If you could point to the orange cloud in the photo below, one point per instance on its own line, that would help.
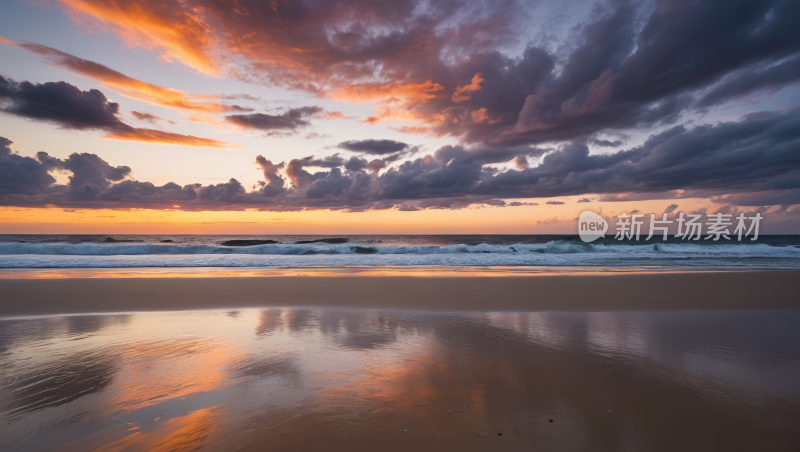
(479, 115)
(413, 130)
(367, 92)
(124, 85)
(306, 48)
(331, 115)
(153, 136)
(388, 113)
(401, 98)
(463, 93)
(179, 31)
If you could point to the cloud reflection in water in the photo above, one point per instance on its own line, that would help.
(399, 379)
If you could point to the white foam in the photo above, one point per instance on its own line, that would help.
(553, 253)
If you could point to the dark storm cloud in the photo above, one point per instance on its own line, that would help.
(21, 175)
(606, 143)
(758, 153)
(620, 77)
(292, 119)
(764, 76)
(68, 107)
(377, 147)
(60, 103)
(375, 165)
(754, 160)
(622, 73)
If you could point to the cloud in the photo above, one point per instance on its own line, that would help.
(374, 166)
(762, 198)
(479, 115)
(412, 130)
(179, 31)
(127, 86)
(305, 45)
(376, 147)
(315, 136)
(333, 115)
(750, 162)
(153, 136)
(151, 118)
(21, 175)
(670, 208)
(584, 200)
(588, 94)
(59, 103)
(91, 175)
(606, 143)
(70, 108)
(626, 64)
(292, 119)
(765, 76)
(356, 52)
(520, 162)
(366, 92)
(555, 203)
(463, 93)
(275, 183)
(755, 154)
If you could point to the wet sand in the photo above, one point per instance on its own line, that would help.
(411, 359)
(437, 290)
(366, 379)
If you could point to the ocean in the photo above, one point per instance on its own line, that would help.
(286, 251)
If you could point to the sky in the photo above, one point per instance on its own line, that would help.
(395, 117)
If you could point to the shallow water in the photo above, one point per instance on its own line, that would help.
(364, 379)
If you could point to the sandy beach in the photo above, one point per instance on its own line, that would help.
(398, 359)
(367, 379)
(439, 290)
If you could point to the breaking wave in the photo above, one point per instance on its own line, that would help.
(551, 253)
(552, 247)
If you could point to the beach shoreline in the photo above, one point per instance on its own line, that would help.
(433, 290)
(427, 271)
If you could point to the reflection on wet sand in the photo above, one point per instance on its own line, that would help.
(363, 379)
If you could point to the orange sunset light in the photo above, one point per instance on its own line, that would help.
(541, 219)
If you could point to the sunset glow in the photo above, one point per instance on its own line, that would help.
(412, 120)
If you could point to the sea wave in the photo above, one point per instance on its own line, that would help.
(552, 253)
(552, 247)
